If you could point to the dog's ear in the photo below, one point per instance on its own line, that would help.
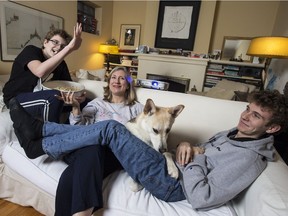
(149, 107)
(175, 111)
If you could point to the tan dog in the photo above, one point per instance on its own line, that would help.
(153, 126)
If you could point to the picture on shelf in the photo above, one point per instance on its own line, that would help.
(235, 49)
(129, 36)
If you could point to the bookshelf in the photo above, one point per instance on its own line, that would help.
(243, 72)
(128, 60)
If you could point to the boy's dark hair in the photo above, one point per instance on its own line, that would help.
(62, 33)
(274, 102)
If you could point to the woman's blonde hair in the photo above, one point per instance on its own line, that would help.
(130, 93)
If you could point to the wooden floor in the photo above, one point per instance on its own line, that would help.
(10, 209)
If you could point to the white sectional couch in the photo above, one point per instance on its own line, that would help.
(34, 182)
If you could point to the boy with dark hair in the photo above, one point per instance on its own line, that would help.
(35, 65)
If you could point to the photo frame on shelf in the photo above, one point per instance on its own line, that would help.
(22, 26)
(129, 36)
(177, 24)
(235, 49)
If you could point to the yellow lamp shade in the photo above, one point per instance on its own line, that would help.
(108, 48)
(269, 47)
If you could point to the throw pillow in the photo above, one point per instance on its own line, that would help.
(220, 93)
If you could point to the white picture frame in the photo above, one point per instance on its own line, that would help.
(129, 36)
(22, 26)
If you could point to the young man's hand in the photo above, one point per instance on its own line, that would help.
(76, 41)
(185, 153)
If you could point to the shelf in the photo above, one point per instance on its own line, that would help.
(120, 65)
(128, 60)
(249, 64)
(234, 77)
(244, 72)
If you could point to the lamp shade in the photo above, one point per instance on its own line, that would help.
(108, 48)
(269, 47)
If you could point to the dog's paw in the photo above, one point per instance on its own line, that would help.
(198, 150)
(173, 171)
(171, 166)
(135, 186)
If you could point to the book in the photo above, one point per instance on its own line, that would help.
(215, 72)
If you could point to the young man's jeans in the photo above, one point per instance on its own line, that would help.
(143, 163)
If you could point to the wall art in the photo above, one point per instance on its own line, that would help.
(22, 26)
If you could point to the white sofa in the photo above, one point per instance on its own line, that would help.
(34, 182)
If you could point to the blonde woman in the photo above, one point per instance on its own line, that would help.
(79, 190)
(119, 101)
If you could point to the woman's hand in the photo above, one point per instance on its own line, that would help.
(68, 98)
(185, 153)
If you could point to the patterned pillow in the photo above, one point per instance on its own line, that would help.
(97, 74)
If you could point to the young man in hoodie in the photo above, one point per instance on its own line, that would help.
(232, 160)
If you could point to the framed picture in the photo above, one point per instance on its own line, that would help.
(129, 36)
(177, 24)
(235, 49)
(22, 26)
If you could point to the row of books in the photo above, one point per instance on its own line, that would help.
(218, 69)
(234, 71)
(211, 81)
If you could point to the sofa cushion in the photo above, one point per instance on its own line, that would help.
(44, 172)
(97, 74)
(224, 89)
(7, 132)
(3, 80)
(227, 84)
(2, 105)
(1, 86)
(269, 191)
(236, 86)
(220, 93)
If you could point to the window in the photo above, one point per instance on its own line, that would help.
(86, 14)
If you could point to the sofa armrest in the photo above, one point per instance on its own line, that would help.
(268, 195)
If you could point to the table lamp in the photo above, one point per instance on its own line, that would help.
(108, 49)
(268, 48)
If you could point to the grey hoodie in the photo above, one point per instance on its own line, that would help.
(227, 168)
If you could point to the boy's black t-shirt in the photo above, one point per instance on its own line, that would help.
(23, 80)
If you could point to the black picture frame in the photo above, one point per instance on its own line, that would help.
(181, 33)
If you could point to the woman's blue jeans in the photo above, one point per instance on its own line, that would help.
(142, 163)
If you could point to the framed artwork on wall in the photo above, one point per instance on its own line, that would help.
(129, 36)
(177, 24)
(22, 26)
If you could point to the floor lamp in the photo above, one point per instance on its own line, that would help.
(268, 48)
(108, 49)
